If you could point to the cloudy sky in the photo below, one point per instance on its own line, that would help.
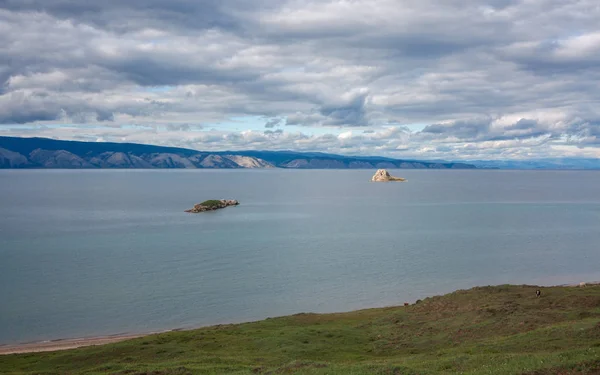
(433, 79)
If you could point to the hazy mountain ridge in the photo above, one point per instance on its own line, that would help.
(550, 163)
(49, 153)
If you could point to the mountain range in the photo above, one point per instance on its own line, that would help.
(549, 163)
(16, 152)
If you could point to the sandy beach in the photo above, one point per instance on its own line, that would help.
(50, 346)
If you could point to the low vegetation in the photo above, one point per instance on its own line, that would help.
(485, 330)
(212, 203)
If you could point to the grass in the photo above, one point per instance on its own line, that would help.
(485, 330)
(211, 203)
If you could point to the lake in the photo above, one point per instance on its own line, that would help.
(102, 252)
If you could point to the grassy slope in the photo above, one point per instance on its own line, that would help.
(488, 330)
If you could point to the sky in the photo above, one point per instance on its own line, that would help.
(428, 79)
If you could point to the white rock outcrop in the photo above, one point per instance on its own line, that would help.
(383, 176)
(248, 161)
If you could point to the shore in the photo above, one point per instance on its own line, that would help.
(55, 345)
(504, 329)
(66, 344)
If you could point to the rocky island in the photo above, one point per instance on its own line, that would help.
(212, 205)
(383, 176)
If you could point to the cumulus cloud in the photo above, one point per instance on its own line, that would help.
(472, 79)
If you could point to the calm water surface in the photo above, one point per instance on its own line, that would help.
(86, 253)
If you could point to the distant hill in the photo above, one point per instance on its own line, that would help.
(551, 163)
(18, 152)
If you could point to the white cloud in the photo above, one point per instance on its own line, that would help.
(489, 79)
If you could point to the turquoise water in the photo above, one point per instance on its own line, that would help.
(88, 253)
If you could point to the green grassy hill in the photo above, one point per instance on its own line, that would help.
(486, 330)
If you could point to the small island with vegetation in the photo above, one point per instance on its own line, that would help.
(212, 204)
(384, 176)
